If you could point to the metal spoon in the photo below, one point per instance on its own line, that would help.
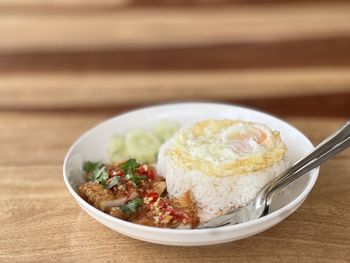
(260, 206)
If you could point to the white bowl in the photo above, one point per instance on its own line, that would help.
(92, 146)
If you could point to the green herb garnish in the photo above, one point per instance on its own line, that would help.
(99, 176)
(91, 166)
(113, 182)
(98, 172)
(132, 206)
(129, 168)
(136, 179)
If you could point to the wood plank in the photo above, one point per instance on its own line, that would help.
(221, 2)
(325, 105)
(112, 5)
(41, 222)
(325, 52)
(41, 139)
(101, 89)
(61, 5)
(171, 27)
(32, 139)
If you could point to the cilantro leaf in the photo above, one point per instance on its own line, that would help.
(91, 166)
(97, 171)
(129, 168)
(132, 206)
(99, 175)
(129, 165)
(136, 179)
(113, 182)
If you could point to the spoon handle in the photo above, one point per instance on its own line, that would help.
(336, 143)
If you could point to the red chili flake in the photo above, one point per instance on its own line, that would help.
(162, 203)
(111, 173)
(120, 173)
(148, 171)
(151, 173)
(152, 195)
(142, 169)
(175, 213)
(171, 211)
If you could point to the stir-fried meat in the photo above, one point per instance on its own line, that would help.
(117, 212)
(98, 196)
(133, 192)
(159, 187)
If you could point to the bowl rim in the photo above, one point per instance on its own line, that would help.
(313, 178)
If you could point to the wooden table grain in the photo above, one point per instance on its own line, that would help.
(40, 221)
(67, 65)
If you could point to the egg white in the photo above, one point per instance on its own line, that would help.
(225, 147)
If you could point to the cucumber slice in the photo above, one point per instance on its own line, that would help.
(165, 129)
(116, 149)
(142, 145)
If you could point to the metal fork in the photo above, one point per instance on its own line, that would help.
(261, 204)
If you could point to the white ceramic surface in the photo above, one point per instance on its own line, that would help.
(92, 146)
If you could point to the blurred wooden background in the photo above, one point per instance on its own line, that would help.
(286, 57)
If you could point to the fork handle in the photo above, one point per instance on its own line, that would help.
(331, 146)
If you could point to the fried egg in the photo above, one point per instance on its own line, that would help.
(226, 147)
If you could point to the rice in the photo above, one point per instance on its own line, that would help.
(214, 195)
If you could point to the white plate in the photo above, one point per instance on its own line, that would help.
(92, 146)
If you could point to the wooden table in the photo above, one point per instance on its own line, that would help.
(40, 221)
(67, 65)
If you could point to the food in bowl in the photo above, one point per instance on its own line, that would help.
(133, 192)
(204, 170)
(223, 162)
